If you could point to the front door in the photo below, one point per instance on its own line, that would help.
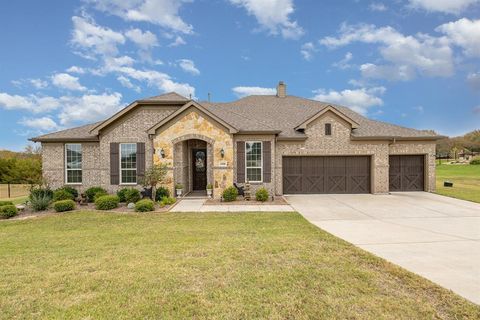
(199, 164)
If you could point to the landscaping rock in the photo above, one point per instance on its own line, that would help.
(20, 207)
(131, 205)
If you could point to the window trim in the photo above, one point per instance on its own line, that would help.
(120, 165)
(66, 164)
(329, 131)
(261, 162)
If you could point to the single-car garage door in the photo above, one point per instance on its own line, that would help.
(406, 173)
(306, 175)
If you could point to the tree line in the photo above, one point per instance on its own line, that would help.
(21, 167)
(451, 147)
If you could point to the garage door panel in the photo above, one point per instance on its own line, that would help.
(407, 173)
(328, 174)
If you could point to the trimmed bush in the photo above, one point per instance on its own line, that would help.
(132, 195)
(70, 190)
(261, 194)
(8, 211)
(91, 192)
(99, 194)
(5, 203)
(121, 194)
(144, 205)
(475, 162)
(230, 194)
(62, 194)
(64, 205)
(166, 201)
(41, 193)
(161, 193)
(40, 201)
(107, 202)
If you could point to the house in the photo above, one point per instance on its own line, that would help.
(285, 143)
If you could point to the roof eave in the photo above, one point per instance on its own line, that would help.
(398, 138)
(291, 138)
(259, 132)
(89, 139)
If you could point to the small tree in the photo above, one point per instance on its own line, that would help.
(153, 176)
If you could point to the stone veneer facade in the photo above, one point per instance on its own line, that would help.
(194, 128)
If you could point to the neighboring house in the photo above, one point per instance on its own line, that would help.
(285, 143)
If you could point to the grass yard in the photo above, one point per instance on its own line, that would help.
(465, 178)
(89, 265)
(17, 200)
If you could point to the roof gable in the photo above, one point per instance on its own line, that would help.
(189, 105)
(328, 108)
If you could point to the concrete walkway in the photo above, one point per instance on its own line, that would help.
(432, 235)
(198, 205)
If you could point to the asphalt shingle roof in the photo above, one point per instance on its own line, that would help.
(268, 113)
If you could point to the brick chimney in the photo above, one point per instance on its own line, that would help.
(281, 89)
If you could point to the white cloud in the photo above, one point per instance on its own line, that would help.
(75, 69)
(464, 33)
(431, 56)
(359, 100)
(307, 50)
(273, 16)
(66, 81)
(177, 42)
(445, 6)
(89, 108)
(344, 63)
(248, 91)
(33, 103)
(188, 66)
(41, 124)
(164, 13)
(390, 72)
(377, 6)
(39, 83)
(124, 81)
(473, 79)
(92, 39)
(145, 40)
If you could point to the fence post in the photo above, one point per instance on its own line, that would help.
(8, 188)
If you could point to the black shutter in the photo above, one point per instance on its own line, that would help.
(240, 161)
(267, 161)
(140, 160)
(114, 164)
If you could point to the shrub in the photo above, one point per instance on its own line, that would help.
(475, 162)
(144, 205)
(132, 195)
(230, 194)
(179, 186)
(166, 201)
(8, 211)
(64, 205)
(107, 202)
(41, 193)
(121, 194)
(70, 190)
(99, 194)
(91, 192)
(62, 194)
(39, 201)
(261, 194)
(161, 193)
(209, 186)
(5, 203)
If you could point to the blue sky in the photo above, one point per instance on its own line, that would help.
(411, 62)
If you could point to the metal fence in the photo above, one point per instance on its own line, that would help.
(8, 190)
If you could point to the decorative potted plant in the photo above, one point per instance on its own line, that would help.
(179, 189)
(209, 190)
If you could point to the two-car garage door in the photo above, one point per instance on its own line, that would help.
(332, 174)
(348, 174)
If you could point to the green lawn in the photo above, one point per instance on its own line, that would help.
(89, 265)
(17, 200)
(465, 178)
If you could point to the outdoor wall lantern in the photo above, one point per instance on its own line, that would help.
(162, 153)
(222, 153)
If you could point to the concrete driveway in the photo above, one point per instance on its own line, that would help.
(434, 236)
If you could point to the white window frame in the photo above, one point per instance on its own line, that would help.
(131, 169)
(66, 164)
(261, 162)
